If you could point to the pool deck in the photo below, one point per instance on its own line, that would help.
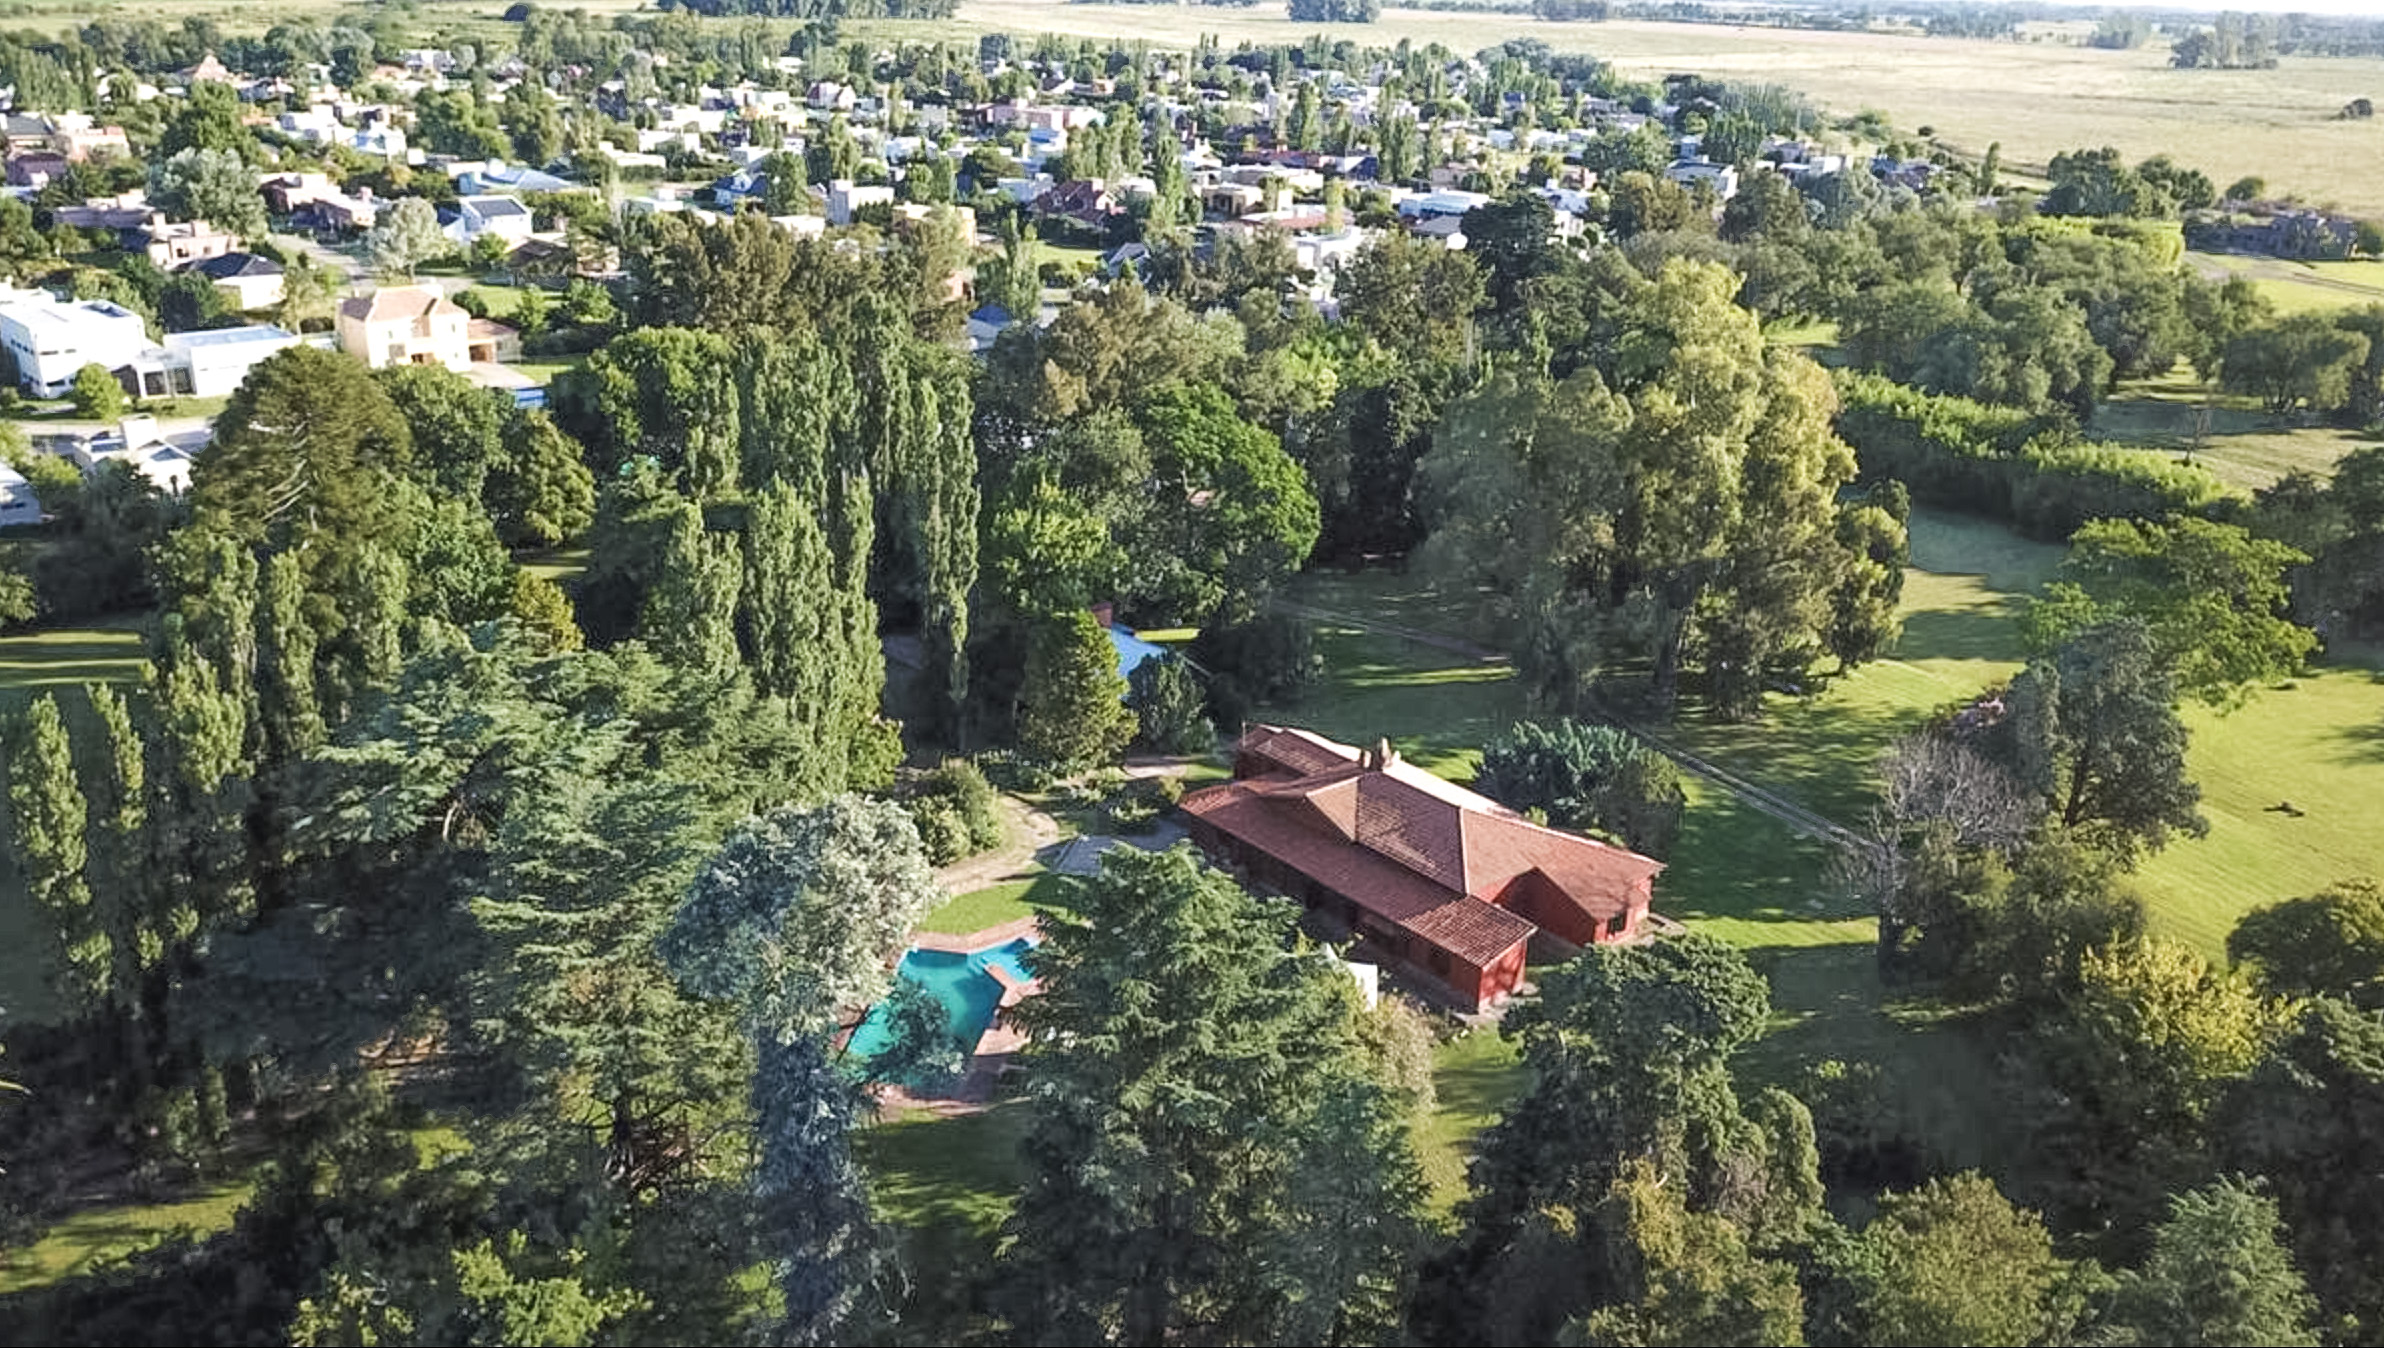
(998, 1046)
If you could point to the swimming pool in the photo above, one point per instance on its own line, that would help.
(968, 993)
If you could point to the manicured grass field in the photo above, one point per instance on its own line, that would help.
(1962, 600)
(109, 652)
(2300, 287)
(2318, 745)
(1476, 1076)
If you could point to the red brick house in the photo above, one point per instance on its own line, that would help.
(1449, 885)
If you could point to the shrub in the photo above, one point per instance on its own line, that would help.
(1269, 660)
(1170, 708)
(1591, 777)
(2009, 465)
(97, 396)
(956, 812)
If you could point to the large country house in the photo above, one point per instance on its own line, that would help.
(1449, 886)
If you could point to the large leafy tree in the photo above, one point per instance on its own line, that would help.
(2211, 597)
(216, 186)
(2328, 944)
(2307, 1119)
(2093, 731)
(1628, 1050)
(1231, 514)
(1674, 502)
(794, 920)
(2303, 361)
(457, 428)
(1951, 1262)
(2218, 1273)
(2140, 1049)
(1209, 1150)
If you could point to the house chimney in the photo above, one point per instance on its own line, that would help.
(137, 430)
(1384, 754)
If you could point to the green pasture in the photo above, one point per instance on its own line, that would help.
(2316, 744)
(2231, 436)
(1963, 596)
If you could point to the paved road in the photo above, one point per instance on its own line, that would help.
(1756, 797)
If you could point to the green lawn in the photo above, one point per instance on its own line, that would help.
(2232, 437)
(1962, 600)
(1476, 1075)
(89, 1238)
(1435, 706)
(109, 652)
(944, 1185)
(2318, 744)
(560, 565)
(1005, 902)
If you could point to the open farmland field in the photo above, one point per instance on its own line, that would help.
(2299, 287)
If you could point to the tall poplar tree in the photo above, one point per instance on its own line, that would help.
(49, 815)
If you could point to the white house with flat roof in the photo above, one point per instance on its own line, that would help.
(137, 444)
(220, 358)
(52, 339)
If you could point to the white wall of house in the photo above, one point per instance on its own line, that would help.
(17, 502)
(51, 340)
(221, 359)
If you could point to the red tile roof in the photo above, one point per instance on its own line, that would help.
(1413, 848)
(1476, 932)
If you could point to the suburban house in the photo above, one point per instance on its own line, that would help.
(1689, 173)
(488, 342)
(179, 243)
(136, 444)
(18, 504)
(473, 217)
(216, 361)
(78, 136)
(52, 339)
(246, 280)
(847, 199)
(35, 168)
(405, 325)
(1447, 886)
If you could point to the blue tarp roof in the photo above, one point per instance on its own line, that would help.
(1132, 650)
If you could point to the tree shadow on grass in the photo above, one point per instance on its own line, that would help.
(1733, 861)
(1937, 1066)
(2365, 743)
(1981, 631)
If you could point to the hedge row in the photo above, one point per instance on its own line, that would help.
(2009, 465)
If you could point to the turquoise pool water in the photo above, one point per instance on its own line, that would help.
(968, 993)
